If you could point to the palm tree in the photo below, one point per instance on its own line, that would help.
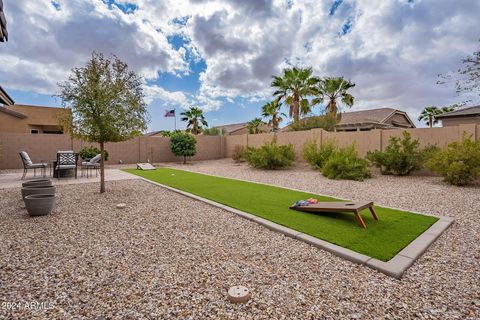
(293, 88)
(332, 89)
(271, 110)
(195, 119)
(428, 115)
(254, 126)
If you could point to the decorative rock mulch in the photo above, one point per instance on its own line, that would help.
(169, 256)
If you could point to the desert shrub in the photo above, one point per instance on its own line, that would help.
(238, 154)
(316, 155)
(401, 156)
(270, 156)
(346, 164)
(459, 163)
(88, 153)
(183, 145)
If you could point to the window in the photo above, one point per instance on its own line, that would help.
(34, 131)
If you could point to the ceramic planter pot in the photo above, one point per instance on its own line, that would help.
(26, 191)
(39, 204)
(37, 182)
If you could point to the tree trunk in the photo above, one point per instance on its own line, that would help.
(184, 159)
(430, 120)
(295, 111)
(102, 168)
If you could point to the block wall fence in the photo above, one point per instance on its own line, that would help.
(43, 147)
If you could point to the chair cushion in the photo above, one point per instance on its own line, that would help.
(96, 158)
(37, 165)
(26, 158)
(66, 166)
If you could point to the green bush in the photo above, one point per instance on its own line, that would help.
(183, 145)
(238, 154)
(211, 132)
(316, 155)
(401, 156)
(345, 164)
(88, 153)
(326, 122)
(270, 156)
(459, 163)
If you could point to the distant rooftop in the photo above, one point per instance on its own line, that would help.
(229, 128)
(464, 112)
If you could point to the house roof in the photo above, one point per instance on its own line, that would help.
(5, 98)
(464, 112)
(229, 128)
(371, 116)
(152, 133)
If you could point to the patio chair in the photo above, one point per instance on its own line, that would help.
(66, 160)
(28, 164)
(93, 163)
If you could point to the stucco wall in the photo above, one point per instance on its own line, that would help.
(37, 117)
(460, 120)
(43, 147)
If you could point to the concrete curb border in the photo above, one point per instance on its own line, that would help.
(395, 267)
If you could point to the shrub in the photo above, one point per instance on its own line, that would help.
(459, 163)
(238, 154)
(401, 156)
(183, 145)
(211, 132)
(345, 164)
(90, 152)
(316, 155)
(326, 122)
(270, 156)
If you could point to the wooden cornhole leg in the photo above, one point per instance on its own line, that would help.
(360, 220)
(374, 214)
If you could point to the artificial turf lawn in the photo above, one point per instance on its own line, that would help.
(381, 240)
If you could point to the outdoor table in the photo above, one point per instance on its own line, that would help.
(355, 207)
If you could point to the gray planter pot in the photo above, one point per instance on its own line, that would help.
(39, 204)
(37, 182)
(26, 191)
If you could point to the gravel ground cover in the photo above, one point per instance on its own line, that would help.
(168, 256)
(381, 240)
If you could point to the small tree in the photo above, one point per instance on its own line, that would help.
(183, 145)
(106, 103)
(253, 126)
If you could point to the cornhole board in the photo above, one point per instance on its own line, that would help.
(355, 207)
(145, 166)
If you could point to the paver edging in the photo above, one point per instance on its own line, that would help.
(395, 267)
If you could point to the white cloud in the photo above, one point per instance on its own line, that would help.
(393, 51)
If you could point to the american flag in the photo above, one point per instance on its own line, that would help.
(170, 113)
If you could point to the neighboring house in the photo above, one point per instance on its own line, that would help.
(381, 118)
(17, 118)
(461, 116)
(240, 128)
(154, 134)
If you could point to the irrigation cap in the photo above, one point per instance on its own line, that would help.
(238, 294)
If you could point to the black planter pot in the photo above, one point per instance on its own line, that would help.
(37, 182)
(39, 204)
(26, 191)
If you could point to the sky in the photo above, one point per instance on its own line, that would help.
(220, 55)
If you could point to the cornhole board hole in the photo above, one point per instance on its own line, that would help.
(145, 166)
(355, 207)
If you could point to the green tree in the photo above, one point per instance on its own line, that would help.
(253, 126)
(332, 89)
(271, 110)
(195, 120)
(106, 103)
(183, 144)
(293, 88)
